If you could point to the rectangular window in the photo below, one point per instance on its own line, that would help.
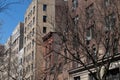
(25, 19)
(90, 32)
(32, 66)
(76, 19)
(21, 61)
(33, 20)
(65, 51)
(44, 18)
(60, 68)
(24, 49)
(77, 78)
(25, 40)
(44, 29)
(110, 21)
(25, 30)
(30, 24)
(49, 63)
(44, 7)
(33, 42)
(74, 4)
(107, 3)
(32, 55)
(33, 9)
(90, 11)
(33, 32)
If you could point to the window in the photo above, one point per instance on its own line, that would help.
(24, 49)
(90, 32)
(28, 68)
(44, 29)
(21, 61)
(33, 9)
(112, 75)
(30, 13)
(75, 41)
(33, 32)
(28, 16)
(94, 53)
(90, 11)
(65, 51)
(75, 20)
(60, 68)
(30, 24)
(32, 66)
(25, 30)
(20, 72)
(33, 20)
(25, 19)
(44, 18)
(115, 47)
(77, 78)
(107, 3)
(25, 40)
(110, 21)
(87, 42)
(32, 55)
(74, 4)
(33, 42)
(44, 7)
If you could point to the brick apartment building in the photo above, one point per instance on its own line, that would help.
(48, 26)
(84, 16)
(54, 62)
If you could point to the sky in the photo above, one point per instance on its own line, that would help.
(11, 17)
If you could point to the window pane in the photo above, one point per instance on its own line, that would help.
(44, 7)
(44, 29)
(44, 18)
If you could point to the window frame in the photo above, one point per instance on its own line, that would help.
(44, 18)
(44, 7)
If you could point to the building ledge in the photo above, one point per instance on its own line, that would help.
(90, 66)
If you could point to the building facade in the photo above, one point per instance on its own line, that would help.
(16, 46)
(88, 20)
(11, 54)
(39, 20)
(56, 66)
(1, 61)
(36, 25)
(37, 49)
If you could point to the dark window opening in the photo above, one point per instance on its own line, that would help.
(75, 4)
(44, 29)
(90, 32)
(90, 11)
(77, 78)
(44, 18)
(44, 7)
(107, 3)
(110, 21)
(33, 9)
